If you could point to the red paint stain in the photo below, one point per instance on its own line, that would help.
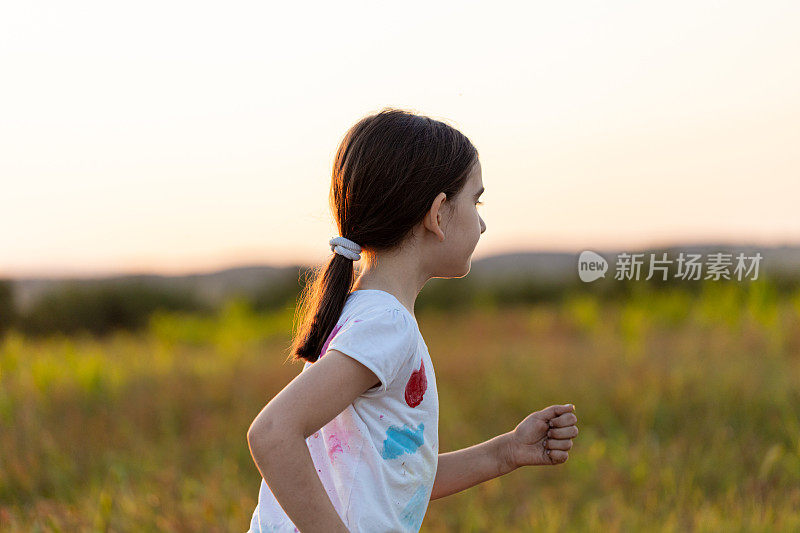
(416, 386)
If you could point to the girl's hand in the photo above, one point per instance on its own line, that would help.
(543, 437)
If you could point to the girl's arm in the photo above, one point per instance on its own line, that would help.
(542, 438)
(468, 467)
(277, 437)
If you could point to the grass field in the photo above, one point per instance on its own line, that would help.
(688, 409)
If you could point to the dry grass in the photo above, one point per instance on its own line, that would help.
(689, 412)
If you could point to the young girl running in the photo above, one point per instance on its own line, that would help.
(351, 443)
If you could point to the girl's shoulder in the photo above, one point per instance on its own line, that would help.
(363, 303)
(376, 330)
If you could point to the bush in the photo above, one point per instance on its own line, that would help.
(7, 313)
(103, 308)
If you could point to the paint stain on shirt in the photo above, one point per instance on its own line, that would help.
(416, 386)
(402, 440)
(414, 511)
(335, 445)
(334, 331)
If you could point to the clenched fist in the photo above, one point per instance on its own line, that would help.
(543, 437)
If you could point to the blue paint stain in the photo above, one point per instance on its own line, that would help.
(402, 440)
(414, 511)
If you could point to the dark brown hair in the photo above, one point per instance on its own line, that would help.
(387, 171)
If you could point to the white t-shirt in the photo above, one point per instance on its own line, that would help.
(376, 459)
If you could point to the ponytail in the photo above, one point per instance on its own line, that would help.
(320, 305)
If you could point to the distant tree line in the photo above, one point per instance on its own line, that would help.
(97, 309)
(454, 293)
(104, 307)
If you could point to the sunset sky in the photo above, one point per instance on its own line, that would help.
(176, 137)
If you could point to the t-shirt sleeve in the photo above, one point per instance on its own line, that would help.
(383, 341)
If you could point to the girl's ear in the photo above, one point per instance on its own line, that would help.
(433, 219)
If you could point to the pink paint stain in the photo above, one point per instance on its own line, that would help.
(334, 331)
(416, 386)
(335, 446)
(329, 339)
(380, 416)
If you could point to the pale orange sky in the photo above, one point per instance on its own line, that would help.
(178, 137)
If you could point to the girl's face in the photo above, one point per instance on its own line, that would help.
(462, 228)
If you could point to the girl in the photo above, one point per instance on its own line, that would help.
(352, 444)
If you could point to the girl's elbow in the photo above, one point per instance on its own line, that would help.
(259, 431)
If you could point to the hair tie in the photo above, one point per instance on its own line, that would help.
(345, 247)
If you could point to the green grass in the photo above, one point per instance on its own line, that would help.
(688, 407)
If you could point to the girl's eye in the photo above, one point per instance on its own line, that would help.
(478, 203)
